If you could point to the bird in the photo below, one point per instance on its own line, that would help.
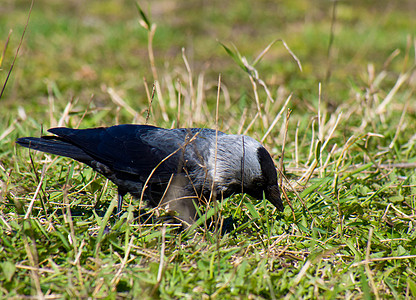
(178, 168)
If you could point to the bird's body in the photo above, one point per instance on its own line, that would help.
(178, 167)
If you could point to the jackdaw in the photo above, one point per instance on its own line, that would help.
(178, 168)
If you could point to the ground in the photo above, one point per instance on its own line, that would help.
(327, 86)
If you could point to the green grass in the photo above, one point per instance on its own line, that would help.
(349, 155)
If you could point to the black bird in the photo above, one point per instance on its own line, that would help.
(177, 167)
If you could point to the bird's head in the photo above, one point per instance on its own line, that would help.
(244, 165)
(264, 181)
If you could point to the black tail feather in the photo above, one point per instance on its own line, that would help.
(54, 146)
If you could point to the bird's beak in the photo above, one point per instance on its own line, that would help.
(273, 195)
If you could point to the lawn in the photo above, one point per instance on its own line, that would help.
(327, 86)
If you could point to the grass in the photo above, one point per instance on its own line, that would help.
(347, 148)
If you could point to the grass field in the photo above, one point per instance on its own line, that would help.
(328, 87)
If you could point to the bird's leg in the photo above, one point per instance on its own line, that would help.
(121, 194)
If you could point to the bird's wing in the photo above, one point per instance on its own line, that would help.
(195, 144)
(124, 148)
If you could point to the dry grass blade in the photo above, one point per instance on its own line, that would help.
(32, 255)
(40, 270)
(150, 99)
(8, 130)
(151, 30)
(382, 107)
(399, 126)
(367, 268)
(258, 58)
(212, 196)
(17, 50)
(190, 103)
(117, 277)
(282, 155)
(120, 102)
(5, 47)
(251, 124)
(29, 210)
(277, 118)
